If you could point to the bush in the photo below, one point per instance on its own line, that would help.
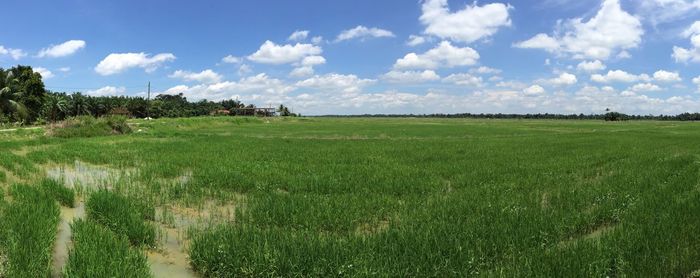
(65, 196)
(88, 126)
(98, 252)
(27, 232)
(122, 216)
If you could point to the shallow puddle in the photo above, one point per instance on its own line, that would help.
(63, 238)
(171, 261)
(85, 175)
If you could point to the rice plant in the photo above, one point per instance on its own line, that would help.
(122, 216)
(99, 252)
(65, 196)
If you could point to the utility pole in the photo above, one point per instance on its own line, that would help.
(148, 101)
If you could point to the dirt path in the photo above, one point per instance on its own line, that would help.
(16, 129)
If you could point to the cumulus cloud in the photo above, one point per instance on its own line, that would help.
(61, 50)
(205, 76)
(45, 73)
(64, 69)
(298, 35)
(611, 30)
(591, 66)
(691, 54)
(445, 55)
(16, 54)
(667, 76)
(619, 76)
(485, 70)
(271, 53)
(564, 79)
(696, 81)
(534, 90)
(230, 59)
(466, 25)
(306, 67)
(464, 79)
(118, 62)
(414, 40)
(301, 72)
(395, 76)
(335, 82)
(258, 87)
(664, 11)
(645, 87)
(106, 91)
(362, 32)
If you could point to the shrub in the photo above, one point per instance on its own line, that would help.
(65, 196)
(27, 232)
(98, 252)
(122, 216)
(88, 126)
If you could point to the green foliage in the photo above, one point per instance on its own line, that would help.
(88, 126)
(65, 196)
(123, 216)
(27, 232)
(98, 252)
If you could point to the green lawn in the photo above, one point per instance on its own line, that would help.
(403, 197)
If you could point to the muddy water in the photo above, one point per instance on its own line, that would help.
(171, 261)
(63, 238)
(83, 174)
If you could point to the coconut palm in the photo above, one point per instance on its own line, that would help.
(54, 106)
(9, 105)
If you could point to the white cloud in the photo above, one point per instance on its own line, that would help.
(691, 54)
(313, 61)
(410, 76)
(444, 55)
(64, 69)
(414, 40)
(65, 49)
(205, 76)
(645, 87)
(610, 30)
(464, 79)
(16, 54)
(485, 70)
(179, 89)
(244, 69)
(619, 76)
(45, 73)
(271, 53)
(259, 87)
(301, 72)
(663, 11)
(336, 82)
(564, 79)
(534, 90)
(591, 66)
(667, 76)
(317, 40)
(696, 81)
(230, 59)
(298, 35)
(363, 32)
(467, 25)
(118, 62)
(107, 91)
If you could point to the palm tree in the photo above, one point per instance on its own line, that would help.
(55, 105)
(8, 97)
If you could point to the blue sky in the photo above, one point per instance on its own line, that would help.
(362, 56)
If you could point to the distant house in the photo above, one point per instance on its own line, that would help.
(220, 112)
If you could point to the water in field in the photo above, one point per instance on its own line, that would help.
(63, 238)
(84, 175)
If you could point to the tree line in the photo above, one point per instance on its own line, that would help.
(24, 100)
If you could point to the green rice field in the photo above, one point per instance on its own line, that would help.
(319, 197)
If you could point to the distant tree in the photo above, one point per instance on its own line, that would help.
(10, 106)
(55, 107)
(78, 105)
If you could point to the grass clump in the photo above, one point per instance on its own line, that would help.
(122, 216)
(65, 196)
(98, 252)
(88, 126)
(27, 232)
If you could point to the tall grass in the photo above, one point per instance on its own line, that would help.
(99, 252)
(88, 126)
(65, 196)
(122, 216)
(27, 232)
